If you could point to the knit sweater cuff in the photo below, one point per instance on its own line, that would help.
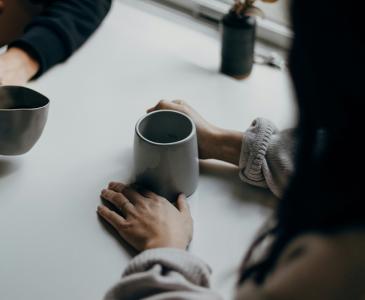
(254, 147)
(189, 266)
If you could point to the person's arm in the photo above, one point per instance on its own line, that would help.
(151, 224)
(263, 154)
(55, 34)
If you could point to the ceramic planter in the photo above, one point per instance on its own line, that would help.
(238, 45)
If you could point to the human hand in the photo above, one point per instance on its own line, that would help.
(17, 67)
(206, 132)
(147, 220)
(213, 142)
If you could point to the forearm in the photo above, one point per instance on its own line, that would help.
(226, 145)
(61, 29)
(264, 155)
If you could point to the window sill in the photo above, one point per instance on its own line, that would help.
(268, 31)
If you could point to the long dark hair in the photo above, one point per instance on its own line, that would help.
(327, 68)
(43, 2)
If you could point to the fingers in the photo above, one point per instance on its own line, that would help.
(133, 196)
(112, 217)
(132, 193)
(163, 104)
(145, 193)
(182, 205)
(119, 201)
(179, 102)
(116, 186)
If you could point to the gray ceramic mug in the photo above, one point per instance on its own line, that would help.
(166, 154)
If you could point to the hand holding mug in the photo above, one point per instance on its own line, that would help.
(206, 131)
(213, 142)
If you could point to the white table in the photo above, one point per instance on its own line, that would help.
(52, 244)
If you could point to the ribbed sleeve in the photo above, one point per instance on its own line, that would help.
(189, 266)
(164, 274)
(267, 156)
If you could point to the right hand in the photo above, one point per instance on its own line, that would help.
(146, 220)
(206, 132)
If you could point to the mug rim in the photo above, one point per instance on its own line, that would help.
(13, 87)
(189, 137)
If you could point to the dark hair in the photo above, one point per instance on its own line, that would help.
(327, 68)
(43, 2)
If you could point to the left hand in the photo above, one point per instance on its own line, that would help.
(17, 67)
(147, 220)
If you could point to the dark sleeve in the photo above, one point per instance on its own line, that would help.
(61, 29)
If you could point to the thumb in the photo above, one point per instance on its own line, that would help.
(182, 205)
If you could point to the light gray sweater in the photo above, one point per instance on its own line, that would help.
(266, 161)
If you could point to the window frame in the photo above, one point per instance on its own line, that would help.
(267, 30)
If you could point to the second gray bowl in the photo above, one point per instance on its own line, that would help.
(23, 115)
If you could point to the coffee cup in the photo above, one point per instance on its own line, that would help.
(166, 157)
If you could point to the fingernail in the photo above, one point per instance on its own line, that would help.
(103, 191)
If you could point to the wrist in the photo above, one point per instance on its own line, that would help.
(228, 145)
(29, 65)
(156, 243)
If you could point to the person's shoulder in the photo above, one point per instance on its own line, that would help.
(344, 249)
(323, 266)
(318, 266)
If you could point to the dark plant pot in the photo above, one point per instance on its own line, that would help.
(238, 45)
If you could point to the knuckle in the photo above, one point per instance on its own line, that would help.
(150, 195)
(115, 185)
(162, 103)
(142, 205)
(122, 205)
(159, 201)
(117, 197)
(126, 191)
(124, 225)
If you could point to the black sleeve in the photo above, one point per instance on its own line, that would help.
(61, 29)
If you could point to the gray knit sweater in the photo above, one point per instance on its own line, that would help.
(266, 161)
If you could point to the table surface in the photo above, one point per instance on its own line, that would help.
(53, 246)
